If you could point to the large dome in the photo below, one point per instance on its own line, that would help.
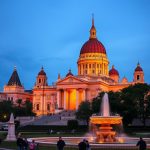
(93, 58)
(93, 46)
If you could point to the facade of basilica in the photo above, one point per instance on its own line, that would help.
(68, 92)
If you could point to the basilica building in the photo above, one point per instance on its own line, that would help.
(68, 92)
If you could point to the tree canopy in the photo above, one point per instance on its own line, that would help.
(21, 109)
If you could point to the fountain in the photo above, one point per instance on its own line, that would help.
(105, 137)
(102, 124)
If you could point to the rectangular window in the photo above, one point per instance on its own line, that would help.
(48, 107)
(37, 107)
(89, 65)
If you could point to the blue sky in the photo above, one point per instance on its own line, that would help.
(50, 33)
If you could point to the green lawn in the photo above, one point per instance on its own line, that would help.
(12, 145)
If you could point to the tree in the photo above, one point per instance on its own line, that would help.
(115, 102)
(6, 107)
(133, 98)
(72, 124)
(19, 102)
(84, 111)
(96, 102)
(28, 108)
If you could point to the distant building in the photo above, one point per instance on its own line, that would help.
(68, 92)
(14, 89)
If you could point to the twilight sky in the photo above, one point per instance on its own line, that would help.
(50, 33)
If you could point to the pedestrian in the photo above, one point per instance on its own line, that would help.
(32, 145)
(25, 144)
(19, 142)
(60, 144)
(82, 145)
(87, 145)
(142, 144)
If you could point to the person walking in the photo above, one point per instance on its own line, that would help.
(60, 144)
(82, 145)
(19, 142)
(87, 145)
(142, 144)
(25, 144)
(32, 145)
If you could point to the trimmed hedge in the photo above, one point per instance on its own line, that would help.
(72, 124)
(130, 129)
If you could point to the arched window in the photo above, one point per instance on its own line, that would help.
(138, 77)
(48, 107)
(89, 65)
(86, 65)
(37, 107)
(93, 71)
(39, 80)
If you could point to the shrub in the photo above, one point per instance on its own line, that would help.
(72, 124)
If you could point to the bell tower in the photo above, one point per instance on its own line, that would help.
(138, 74)
(41, 79)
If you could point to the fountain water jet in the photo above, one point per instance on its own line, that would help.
(101, 124)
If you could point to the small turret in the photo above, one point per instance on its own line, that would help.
(113, 73)
(41, 79)
(138, 74)
(93, 29)
(69, 73)
(14, 79)
(59, 78)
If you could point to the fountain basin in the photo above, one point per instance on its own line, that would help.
(106, 120)
(123, 142)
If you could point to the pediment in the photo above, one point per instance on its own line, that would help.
(70, 80)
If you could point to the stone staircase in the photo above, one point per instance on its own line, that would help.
(60, 118)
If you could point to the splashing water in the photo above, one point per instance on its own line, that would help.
(105, 109)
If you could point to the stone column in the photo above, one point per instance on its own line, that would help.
(65, 104)
(102, 68)
(68, 97)
(45, 105)
(84, 94)
(77, 99)
(81, 69)
(58, 98)
(42, 102)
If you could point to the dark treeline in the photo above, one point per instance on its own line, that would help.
(19, 109)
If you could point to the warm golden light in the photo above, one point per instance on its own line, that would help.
(105, 133)
(120, 140)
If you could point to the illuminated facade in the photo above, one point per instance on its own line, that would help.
(14, 90)
(93, 77)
